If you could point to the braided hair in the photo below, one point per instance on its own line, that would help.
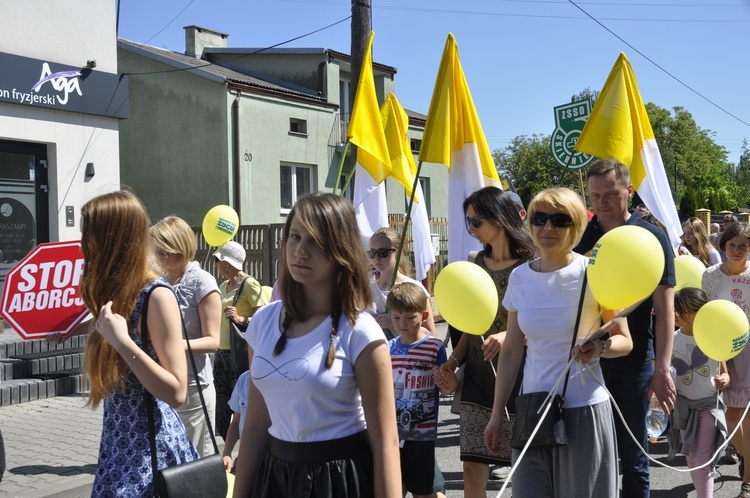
(330, 220)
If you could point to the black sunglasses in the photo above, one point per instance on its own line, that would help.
(559, 220)
(380, 253)
(474, 221)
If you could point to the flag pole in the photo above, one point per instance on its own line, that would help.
(406, 223)
(580, 180)
(567, 166)
(341, 168)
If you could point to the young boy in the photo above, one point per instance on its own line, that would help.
(238, 404)
(414, 354)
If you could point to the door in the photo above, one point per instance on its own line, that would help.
(24, 201)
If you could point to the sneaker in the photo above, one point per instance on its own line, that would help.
(742, 466)
(744, 490)
(501, 473)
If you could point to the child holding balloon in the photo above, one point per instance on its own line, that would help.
(697, 414)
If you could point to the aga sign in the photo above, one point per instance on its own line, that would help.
(41, 293)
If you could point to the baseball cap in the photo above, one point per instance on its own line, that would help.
(233, 253)
(516, 198)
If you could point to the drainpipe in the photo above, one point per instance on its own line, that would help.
(236, 147)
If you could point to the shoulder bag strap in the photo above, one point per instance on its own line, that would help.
(239, 291)
(578, 321)
(148, 396)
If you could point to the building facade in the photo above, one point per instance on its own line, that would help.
(61, 102)
(250, 128)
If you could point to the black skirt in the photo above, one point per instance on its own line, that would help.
(341, 468)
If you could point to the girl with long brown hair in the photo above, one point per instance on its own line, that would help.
(117, 281)
(695, 242)
(320, 410)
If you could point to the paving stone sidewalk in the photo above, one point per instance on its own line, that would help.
(51, 447)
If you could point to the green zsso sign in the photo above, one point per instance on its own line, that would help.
(569, 121)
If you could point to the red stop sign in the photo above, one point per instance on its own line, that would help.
(41, 293)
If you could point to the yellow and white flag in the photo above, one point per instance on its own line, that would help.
(373, 162)
(396, 127)
(453, 136)
(619, 128)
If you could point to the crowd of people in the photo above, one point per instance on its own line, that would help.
(345, 372)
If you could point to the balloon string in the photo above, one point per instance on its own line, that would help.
(494, 371)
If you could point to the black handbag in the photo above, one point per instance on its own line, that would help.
(529, 409)
(202, 478)
(237, 343)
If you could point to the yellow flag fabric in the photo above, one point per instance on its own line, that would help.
(619, 128)
(396, 128)
(453, 136)
(452, 121)
(404, 170)
(366, 127)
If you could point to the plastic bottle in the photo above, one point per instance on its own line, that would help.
(656, 420)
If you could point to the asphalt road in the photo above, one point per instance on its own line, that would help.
(665, 483)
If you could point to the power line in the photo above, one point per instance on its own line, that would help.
(659, 67)
(536, 16)
(242, 55)
(158, 32)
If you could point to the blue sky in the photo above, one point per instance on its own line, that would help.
(521, 57)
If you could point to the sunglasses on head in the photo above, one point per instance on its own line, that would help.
(380, 253)
(559, 220)
(474, 221)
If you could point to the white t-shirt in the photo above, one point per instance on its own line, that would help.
(696, 372)
(238, 400)
(194, 285)
(306, 402)
(547, 304)
(379, 296)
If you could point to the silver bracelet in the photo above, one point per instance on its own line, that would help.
(605, 346)
(134, 357)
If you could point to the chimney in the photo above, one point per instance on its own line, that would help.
(197, 39)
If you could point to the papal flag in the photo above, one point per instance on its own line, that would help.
(396, 127)
(619, 128)
(453, 136)
(373, 162)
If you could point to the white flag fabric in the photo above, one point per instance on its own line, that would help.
(424, 255)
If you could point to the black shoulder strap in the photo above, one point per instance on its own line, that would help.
(578, 322)
(239, 291)
(149, 397)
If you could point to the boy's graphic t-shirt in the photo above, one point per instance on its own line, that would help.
(414, 387)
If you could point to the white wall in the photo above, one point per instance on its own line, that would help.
(67, 33)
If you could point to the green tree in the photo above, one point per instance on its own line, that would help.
(742, 176)
(697, 168)
(530, 164)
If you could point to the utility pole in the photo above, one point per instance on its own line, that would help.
(361, 27)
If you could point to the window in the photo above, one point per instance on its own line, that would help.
(425, 184)
(296, 181)
(415, 145)
(298, 126)
(349, 193)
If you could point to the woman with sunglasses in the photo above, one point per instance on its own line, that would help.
(493, 217)
(543, 299)
(695, 242)
(383, 247)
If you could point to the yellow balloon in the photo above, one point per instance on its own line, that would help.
(466, 297)
(720, 329)
(219, 225)
(688, 272)
(626, 266)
